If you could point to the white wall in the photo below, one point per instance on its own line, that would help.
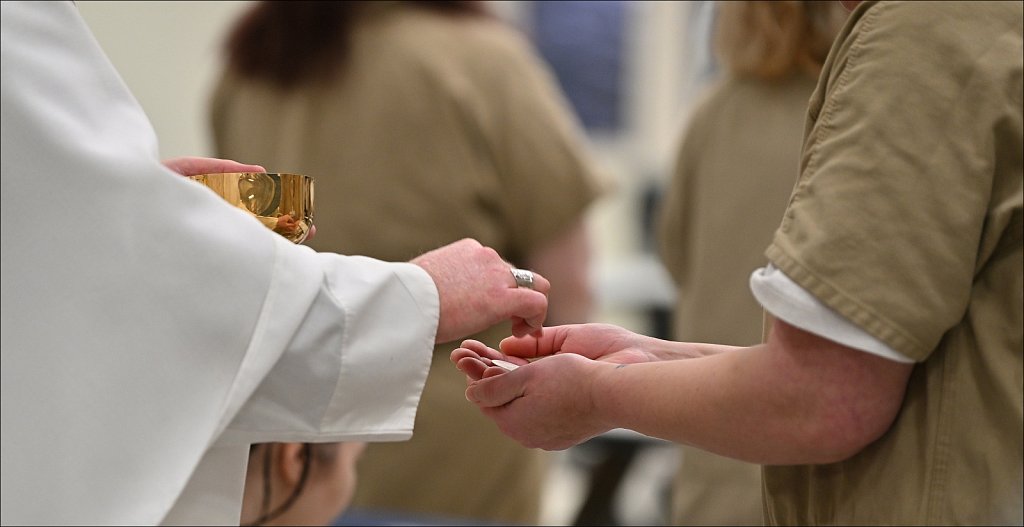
(168, 54)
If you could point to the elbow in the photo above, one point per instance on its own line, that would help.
(840, 399)
(839, 433)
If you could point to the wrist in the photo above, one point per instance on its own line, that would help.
(605, 377)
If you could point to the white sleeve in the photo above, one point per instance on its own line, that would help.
(786, 300)
(362, 352)
(360, 357)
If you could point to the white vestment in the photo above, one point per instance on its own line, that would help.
(151, 332)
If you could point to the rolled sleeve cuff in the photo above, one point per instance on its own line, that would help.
(786, 300)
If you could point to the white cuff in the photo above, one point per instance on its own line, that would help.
(356, 367)
(788, 301)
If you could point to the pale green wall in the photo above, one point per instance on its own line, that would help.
(167, 53)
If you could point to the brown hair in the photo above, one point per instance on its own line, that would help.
(770, 40)
(289, 42)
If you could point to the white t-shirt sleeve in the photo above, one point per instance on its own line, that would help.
(788, 301)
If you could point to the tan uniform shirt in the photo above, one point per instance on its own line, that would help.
(736, 168)
(907, 221)
(440, 128)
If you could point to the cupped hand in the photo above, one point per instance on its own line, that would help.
(477, 290)
(474, 359)
(543, 404)
(193, 166)
(604, 342)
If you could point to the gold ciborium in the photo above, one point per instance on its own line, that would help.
(282, 202)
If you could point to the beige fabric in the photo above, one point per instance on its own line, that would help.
(907, 220)
(441, 128)
(736, 167)
(735, 170)
(716, 490)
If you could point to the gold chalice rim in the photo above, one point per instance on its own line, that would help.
(262, 207)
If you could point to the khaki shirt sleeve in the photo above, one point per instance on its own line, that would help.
(885, 221)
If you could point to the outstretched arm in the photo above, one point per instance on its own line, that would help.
(799, 398)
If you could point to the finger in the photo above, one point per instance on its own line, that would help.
(473, 368)
(482, 349)
(478, 350)
(521, 329)
(462, 353)
(497, 390)
(530, 346)
(191, 166)
(529, 305)
(484, 352)
(541, 284)
(229, 165)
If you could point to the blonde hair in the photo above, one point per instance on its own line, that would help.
(771, 40)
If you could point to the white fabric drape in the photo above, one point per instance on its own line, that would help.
(146, 322)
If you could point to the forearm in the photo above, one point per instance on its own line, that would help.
(716, 403)
(668, 350)
(768, 404)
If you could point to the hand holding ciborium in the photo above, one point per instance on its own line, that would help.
(282, 202)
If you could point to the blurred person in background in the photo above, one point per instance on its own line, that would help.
(736, 167)
(422, 122)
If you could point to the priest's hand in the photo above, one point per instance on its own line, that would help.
(193, 166)
(477, 290)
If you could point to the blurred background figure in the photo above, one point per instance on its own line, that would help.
(299, 483)
(741, 148)
(423, 123)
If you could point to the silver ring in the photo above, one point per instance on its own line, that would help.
(523, 277)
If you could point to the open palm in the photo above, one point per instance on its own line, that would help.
(603, 342)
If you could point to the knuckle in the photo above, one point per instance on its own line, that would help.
(489, 252)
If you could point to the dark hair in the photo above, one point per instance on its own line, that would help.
(290, 42)
(324, 453)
